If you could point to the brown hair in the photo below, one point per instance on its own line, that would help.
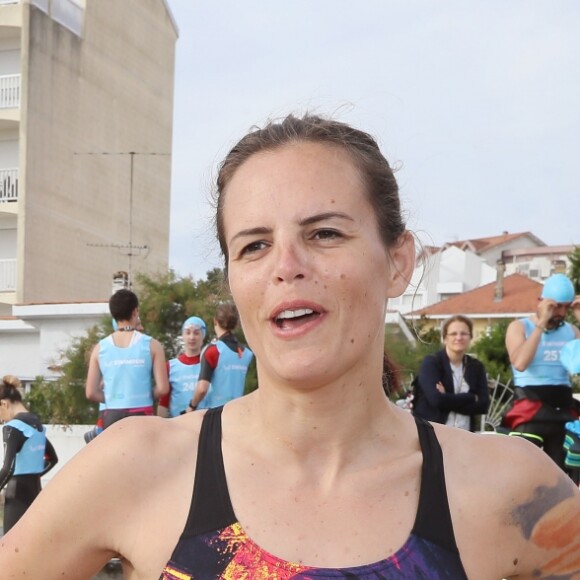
(457, 318)
(226, 315)
(381, 187)
(377, 176)
(9, 388)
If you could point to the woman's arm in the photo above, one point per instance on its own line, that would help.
(14, 439)
(476, 377)
(209, 361)
(50, 457)
(546, 519)
(430, 374)
(94, 384)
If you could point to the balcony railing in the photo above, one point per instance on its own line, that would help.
(8, 275)
(9, 91)
(8, 184)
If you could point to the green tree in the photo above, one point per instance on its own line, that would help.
(574, 269)
(408, 356)
(165, 301)
(491, 351)
(62, 401)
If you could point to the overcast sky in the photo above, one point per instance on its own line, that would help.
(477, 103)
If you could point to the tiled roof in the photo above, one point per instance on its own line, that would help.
(520, 297)
(482, 244)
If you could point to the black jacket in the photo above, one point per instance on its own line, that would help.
(434, 406)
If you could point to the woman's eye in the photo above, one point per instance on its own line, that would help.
(327, 234)
(253, 247)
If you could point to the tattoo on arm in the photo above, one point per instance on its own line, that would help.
(551, 521)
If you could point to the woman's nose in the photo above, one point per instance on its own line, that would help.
(291, 262)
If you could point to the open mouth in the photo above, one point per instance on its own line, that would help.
(293, 318)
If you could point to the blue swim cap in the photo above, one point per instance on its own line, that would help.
(559, 288)
(195, 321)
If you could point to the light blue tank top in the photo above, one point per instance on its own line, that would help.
(229, 377)
(126, 373)
(30, 459)
(183, 379)
(545, 368)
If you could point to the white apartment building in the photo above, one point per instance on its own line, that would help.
(86, 113)
(440, 274)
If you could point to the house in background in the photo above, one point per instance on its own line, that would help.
(538, 263)
(33, 340)
(441, 273)
(509, 297)
(461, 266)
(86, 114)
(86, 121)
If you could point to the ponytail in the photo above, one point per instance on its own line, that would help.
(9, 388)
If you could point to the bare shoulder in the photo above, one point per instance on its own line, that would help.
(119, 487)
(509, 498)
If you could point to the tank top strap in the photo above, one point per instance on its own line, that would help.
(433, 519)
(211, 507)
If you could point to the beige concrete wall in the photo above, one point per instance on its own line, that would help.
(84, 100)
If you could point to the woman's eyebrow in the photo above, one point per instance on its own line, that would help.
(258, 231)
(324, 216)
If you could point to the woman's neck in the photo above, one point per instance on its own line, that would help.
(18, 407)
(455, 358)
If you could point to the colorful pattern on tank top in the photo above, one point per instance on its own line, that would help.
(227, 553)
(230, 555)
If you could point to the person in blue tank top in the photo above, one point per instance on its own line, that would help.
(224, 363)
(127, 369)
(184, 370)
(316, 474)
(28, 454)
(543, 390)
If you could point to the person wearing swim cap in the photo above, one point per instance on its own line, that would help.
(543, 390)
(183, 371)
(224, 363)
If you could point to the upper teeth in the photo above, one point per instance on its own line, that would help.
(295, 313)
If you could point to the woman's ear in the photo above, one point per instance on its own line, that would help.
(402, 264)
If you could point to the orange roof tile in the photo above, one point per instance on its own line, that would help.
(520, 297)
(481, 244)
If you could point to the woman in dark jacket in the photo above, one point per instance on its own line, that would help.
(452, 385)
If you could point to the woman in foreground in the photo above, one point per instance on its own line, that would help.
(316, 474)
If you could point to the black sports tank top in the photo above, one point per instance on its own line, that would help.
(214, 546)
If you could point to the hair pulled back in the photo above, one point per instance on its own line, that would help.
(10, 389)
(376, 174)
(226, 315)
(380, 183)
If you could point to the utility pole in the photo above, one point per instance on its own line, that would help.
(131, 248)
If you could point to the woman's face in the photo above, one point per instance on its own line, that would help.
(192, 339)
(458, 337)
(307, 268)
